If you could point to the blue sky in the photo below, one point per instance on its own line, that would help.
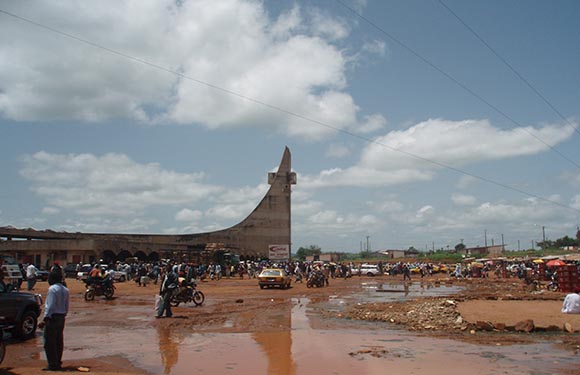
(92, 140)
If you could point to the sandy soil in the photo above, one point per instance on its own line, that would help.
(234, 305)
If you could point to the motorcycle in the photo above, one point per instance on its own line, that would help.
(315, 279)
(187, 293)
(99, 288)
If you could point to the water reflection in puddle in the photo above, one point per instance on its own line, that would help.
(296, 349)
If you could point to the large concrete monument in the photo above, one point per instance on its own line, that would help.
(264, 232)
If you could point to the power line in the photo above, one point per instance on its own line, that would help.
(286, 111)
(510, 66)
(454, 80)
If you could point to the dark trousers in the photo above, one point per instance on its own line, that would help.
(54, 341)
(166, 306)
(31, 283)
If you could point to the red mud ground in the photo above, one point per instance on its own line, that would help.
(234, 305)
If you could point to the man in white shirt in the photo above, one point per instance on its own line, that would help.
(572, 302)
(31, 276)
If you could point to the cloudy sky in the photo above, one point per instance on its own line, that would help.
(411, 123)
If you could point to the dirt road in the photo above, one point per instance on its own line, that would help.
(358, 324)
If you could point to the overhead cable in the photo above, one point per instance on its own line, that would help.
(456, 81)
(285, 111)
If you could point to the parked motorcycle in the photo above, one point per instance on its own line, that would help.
(315, 279)
(99, 288)
(187, 293)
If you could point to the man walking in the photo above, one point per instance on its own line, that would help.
(168, 287)
(55, 310)
(31, 276)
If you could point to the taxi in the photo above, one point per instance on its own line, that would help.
(274, 277)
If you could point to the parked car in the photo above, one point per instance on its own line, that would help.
(42, 275)
(83, 273)
(274, 277)
(20, 310)
(369, 269)
(120, 276)
(70, 270)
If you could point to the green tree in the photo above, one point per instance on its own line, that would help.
(459, 247)
(302, 252)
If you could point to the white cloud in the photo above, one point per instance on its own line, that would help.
(463, 199)
(110, 185)
(188, 215)
(363, 177)
(389, 206)
(465, 181)
(458, 143)
(291, 62)
(372, 123)
(576, 202)
(50, 210)
(451, 143)
(425, 211)
(331, 221)
(336, 150)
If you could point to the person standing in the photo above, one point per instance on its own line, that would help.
(55, 310)
(571, 303)
(57, 268)
(406, 272)
(166, 290)
(31, 276)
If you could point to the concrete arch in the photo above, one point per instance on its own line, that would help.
(124, 254)
(141, 255)
(109, 256)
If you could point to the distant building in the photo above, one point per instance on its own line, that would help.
(491, 251)
(394, 254)
(326, 257)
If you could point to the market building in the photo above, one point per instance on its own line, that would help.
(265, 231)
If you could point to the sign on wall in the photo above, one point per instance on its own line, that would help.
(279, 252)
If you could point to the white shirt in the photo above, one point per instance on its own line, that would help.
(30, 271)
(571, 304)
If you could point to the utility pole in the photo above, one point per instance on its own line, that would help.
(433, 246)
(368, 245)
(485, 236)
(518, 245)
(502, 244)
(544, 235)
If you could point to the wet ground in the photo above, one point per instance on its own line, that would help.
(242, 329)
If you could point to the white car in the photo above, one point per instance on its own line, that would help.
(118, 276)
(369, 270)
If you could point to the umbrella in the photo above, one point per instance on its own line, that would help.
(555, 263)
(538, 261)
(477, 264)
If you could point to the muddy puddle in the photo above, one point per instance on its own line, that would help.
(297, 348)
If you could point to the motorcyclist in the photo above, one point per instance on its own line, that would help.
(94, 276)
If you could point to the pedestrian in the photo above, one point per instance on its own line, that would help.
(406, 272)
(31, 276)
(571, 303)
(168, 287)
(57, 268)
(55, 310)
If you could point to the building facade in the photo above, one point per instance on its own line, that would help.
(268, 224)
